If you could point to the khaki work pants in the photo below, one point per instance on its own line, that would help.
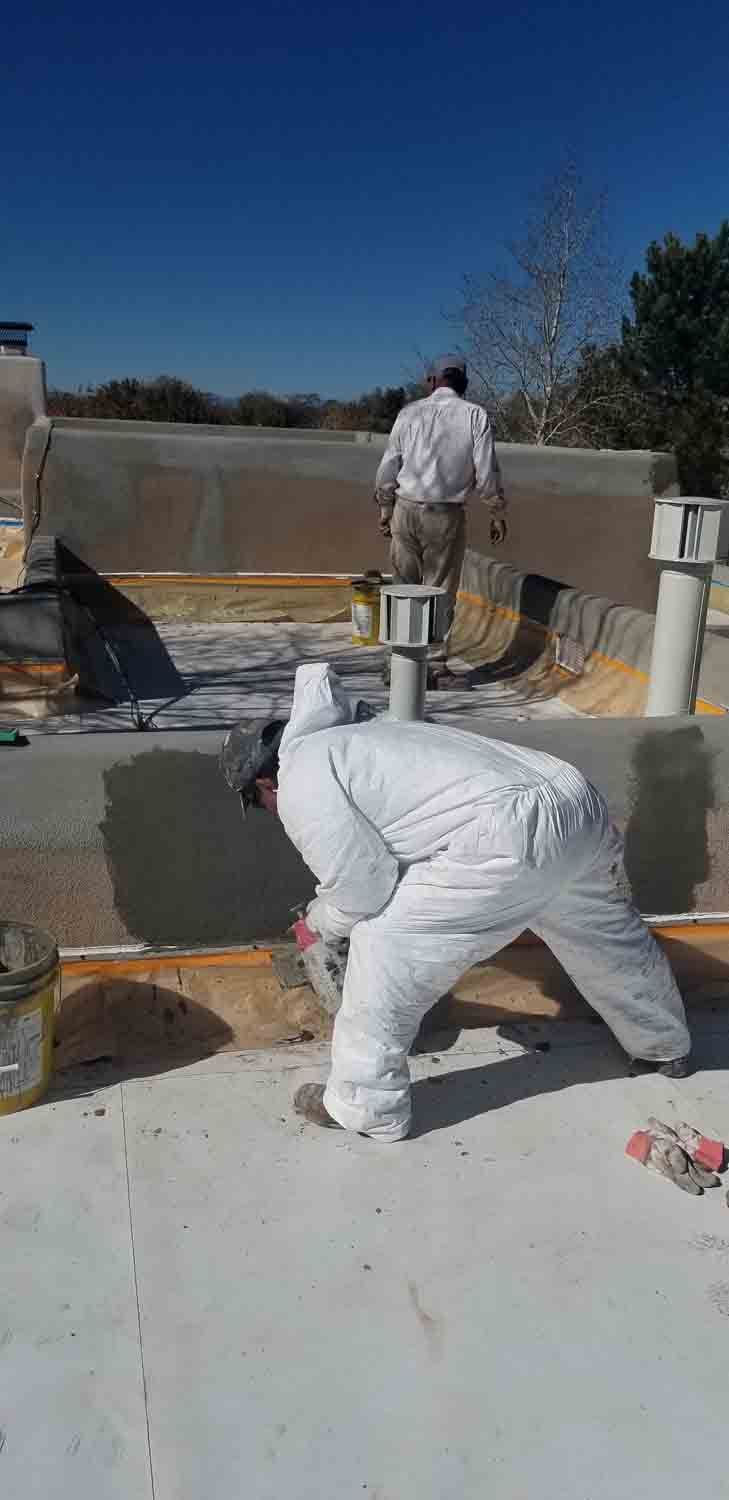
(428, 543)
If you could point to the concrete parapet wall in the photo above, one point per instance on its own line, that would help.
(155, 497)
(585, 517)
(148, 497)
(117, 838)
(509, 618)
(22, 401)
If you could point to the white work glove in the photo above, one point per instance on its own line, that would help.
(322, 919)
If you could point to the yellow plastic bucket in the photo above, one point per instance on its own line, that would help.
(29, 992)
(366, 609)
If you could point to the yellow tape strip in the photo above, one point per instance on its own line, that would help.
(227, 580)
(259, 958)
(32, 667)
(695, 935)
(502, 609)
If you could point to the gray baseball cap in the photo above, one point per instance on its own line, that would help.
(447, 362)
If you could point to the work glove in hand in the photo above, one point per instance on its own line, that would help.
(385, 519)
(498, 530)
(325, 964)
(305, 935)
(660, 1148)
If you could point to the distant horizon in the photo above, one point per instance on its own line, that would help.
(225, 397)
(408, 377)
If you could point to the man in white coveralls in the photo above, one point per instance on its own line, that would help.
(433, 849)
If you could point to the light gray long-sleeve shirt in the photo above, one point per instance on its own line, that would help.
(441, 451)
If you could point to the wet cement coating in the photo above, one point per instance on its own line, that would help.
(165, 864)
(114, 838)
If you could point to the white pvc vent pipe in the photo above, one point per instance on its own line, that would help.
(412, 616)
(685, 540)
(678, 641)
(408, 681)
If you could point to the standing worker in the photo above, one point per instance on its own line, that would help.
(440, 451)
(433, 849)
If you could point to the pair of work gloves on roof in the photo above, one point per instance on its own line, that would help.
(680, 1153)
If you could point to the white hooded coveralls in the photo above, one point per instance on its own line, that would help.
(433, 849)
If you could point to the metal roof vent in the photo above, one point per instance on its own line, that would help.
(14, 337)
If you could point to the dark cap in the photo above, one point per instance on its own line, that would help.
(250, 750)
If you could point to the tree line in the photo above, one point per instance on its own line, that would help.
(560, 351)
(166, 398)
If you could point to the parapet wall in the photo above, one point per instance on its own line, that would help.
(163, 497)
(83, 856)
(22, 401)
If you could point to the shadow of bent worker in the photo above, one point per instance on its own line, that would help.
(444, 1100)
(108, 1030)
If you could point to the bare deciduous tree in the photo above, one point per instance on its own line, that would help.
(527, 328)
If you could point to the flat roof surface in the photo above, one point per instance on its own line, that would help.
(201, 1296)
(194, 676)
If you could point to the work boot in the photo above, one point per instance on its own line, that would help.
(678, 1067)
(309, 1102)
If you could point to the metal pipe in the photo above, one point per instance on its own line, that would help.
(678, 640)
(408, 677)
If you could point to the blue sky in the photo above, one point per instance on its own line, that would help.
(287, 196)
